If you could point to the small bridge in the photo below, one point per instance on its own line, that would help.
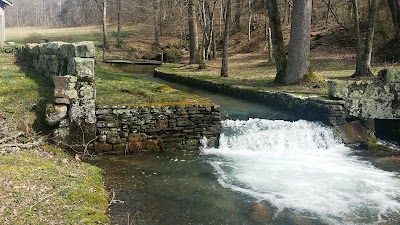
(128, 56)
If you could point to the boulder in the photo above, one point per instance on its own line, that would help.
(356, 132)
(259, 213)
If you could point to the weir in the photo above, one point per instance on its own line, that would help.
(264, 171)
(303, 168)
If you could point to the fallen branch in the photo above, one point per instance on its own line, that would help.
(10, 138)
(46, 197)
(24, 146)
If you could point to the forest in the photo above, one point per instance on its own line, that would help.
(200, 112)
(201, 27)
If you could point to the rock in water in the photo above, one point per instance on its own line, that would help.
(260, 213)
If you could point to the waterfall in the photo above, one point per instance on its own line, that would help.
(303, 168)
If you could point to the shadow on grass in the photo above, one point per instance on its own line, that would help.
(45, 89)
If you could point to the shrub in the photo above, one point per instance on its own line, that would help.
(33, 38)
(172, 55)
(9, 49)
(122, 34)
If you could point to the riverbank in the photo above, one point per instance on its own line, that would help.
(308, 100)
(40, 183)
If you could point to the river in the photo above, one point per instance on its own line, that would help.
(270, 168)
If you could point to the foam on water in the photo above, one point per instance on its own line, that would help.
(301, 166)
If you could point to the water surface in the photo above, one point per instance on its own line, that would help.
(265, 171)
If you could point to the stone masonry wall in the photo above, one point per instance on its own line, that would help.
(328, 111)
(71, 67)
(370, 99)
(111, 129)
(135, 129)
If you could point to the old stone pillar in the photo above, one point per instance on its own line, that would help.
(2, 28)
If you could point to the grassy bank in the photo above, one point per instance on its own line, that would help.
(115, 87)
(40, 184)
(252, 71)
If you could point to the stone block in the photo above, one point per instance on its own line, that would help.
(102, 148)
(113, 137)
(121, 148)
(67, 51)
(64, 123)
(338, 88)
(81, 67)
(64, 87)
(60, 135)
(53, 48)
(64, 101)
(55, 113)
(83, 111)
(389, 75)
(85, 49)
(86, 91)
(53, 64)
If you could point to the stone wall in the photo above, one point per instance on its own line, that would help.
(135, 129)
(328, 111)
(371, 98)
(374, 103)
(71, 67)
(78, 123)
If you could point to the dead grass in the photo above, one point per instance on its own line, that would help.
(253, 71)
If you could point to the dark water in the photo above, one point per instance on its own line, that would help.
(186, 187)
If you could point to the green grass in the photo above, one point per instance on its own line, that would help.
(41, 185)
(251, 71)
(20, 91)
(115, 87)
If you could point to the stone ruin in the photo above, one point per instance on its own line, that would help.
(370, 98)
(71, 67)
(368, 102)
(80, 124)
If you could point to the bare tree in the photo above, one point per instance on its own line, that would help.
(364, 53)
(103, 8)
(395, 11)
(277, 40)
(193, 34)
(207, 17)
(156, 6)
(238, 16)
(224, 67)
(298, 63)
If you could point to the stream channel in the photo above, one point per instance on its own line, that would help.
(270, 168)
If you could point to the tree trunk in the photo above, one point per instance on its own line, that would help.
(269, 42)
(224, 67)
(238, 16)
(395, 11)
(119, 43)
(249, 24)
(298, 64)
(104, 23)
(207, 17)
(193, 40)
(363, 64)
(277, 39)
(156, 23)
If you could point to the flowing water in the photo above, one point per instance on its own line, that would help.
(265, 171)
